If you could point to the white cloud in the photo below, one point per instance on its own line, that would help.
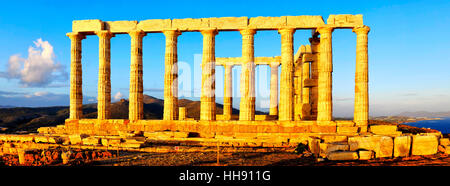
(118, 96)
(39, 69)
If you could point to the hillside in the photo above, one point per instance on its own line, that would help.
(426, 114)
(29, 119)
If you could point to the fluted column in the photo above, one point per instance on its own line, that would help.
(274, 88)
(171, 76)
(104, 75)
(315, 48)
(76, 91)
(208, 97)
(247, 104)
(228, 92)
(325, 104)
(306, 109)
(286, 108)
(361, 114)
(136, 102)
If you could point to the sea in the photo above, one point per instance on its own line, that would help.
(442, 125)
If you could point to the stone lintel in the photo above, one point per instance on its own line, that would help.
(221, 23)
(220, 61)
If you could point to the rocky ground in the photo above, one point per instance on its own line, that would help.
(260, 159)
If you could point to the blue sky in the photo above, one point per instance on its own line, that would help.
(409, 55)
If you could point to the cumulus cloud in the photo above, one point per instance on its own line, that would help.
(38, 70)
(118, 96)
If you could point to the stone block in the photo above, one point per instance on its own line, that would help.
(75, 139)
(228, 23)
(447, 149)
(383, 129)
(41, 139)
(382, 146)
(334, 138)
(304, 21)
(345, 20)
(326, 148)
(424, 145)
(345, 123)
(190, 24)
(155, 25)
(314, 145)
(91, 141)
(121, 26)
(342, 156)
(87, 25)
(267, 22)
(444, 141)
(402, 146)
(365, 154)
(347, 130)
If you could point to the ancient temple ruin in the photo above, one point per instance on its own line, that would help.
(303, 115)
(305, 103)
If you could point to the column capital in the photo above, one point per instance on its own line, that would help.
(137, 33)
(286, 30)
(104, 34)
(173, 33)
(76, 36)
(324, 29)
(274, 64)
(227, 65)
(247, 31)
(209, 32)
(361, 30)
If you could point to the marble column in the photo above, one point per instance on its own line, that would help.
(286, 108)
(228, 92)
(274, 89)
(76, 92)
(306, 109)
(247, 104)
(325, 104)
(104, 75)
(361, 114)
(314, 74)
(136, 102)
(171, 76)
(208, 97)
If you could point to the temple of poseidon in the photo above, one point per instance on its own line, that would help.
(303, 113)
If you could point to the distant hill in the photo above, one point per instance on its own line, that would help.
(426, 114)
(29, 119)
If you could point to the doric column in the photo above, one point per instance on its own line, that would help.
(171, 75)
(208, 97)
(286, 108)
(228, 92)
(104, 75)
(306, 109)
(325, 104)
(315, 48)
(247, 104)
(274, 88)
(361, 114)
(136, 102)
(76, 91)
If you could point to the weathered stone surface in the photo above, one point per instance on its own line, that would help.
(444, 141)
(383, 146)
(424, 145)
(121, 26)
(402, 146)
(342, 156)
(365, 154)
(304, 21)
(345, 20)
(326, 148)
(87, 25)
(91, 141)
(314, 145)
(334, 138)
(267, 22)
(75, 139)
(153, 25)
(347, 130)
(228, 23)
(383, 129)
(190, 24)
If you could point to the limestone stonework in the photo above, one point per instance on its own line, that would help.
(302, 114)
